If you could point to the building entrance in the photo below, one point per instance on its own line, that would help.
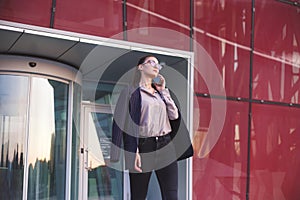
(99, 180)
(101, 88)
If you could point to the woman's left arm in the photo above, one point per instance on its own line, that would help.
(172, 109)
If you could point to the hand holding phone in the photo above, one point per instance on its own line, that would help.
(159, 82)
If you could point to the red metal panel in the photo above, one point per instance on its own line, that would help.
(220, 174)
(275, 81)
(224, 19)
(275, 160)
(277, 30)
(277, 52)
(94, 17)
(159, 22)
(221, 67)
(34, 12)
(222, 30)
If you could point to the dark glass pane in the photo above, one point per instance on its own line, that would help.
(13, 124)
(47, 139)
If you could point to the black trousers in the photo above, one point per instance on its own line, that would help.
(158, 155)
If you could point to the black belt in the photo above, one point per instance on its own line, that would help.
(156, 138)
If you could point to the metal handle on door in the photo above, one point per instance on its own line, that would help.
(87, 167)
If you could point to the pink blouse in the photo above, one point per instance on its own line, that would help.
(155, 113)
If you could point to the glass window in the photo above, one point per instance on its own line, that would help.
(275, 160)
(47, 139)
(275, 81)
(228, 20)
(101, 18)
(279, 39)
(36, 12)
(13, 120)
(220, 160)
(277, 59)
(220, 65)
(103, 181)
(101, 93)
(222, 40)
(173, 18)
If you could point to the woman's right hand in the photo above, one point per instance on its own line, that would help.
(138, 162)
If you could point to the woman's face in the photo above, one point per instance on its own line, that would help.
(150, 67)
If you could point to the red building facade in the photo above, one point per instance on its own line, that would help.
(254, 47)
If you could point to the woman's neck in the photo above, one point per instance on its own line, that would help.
(146, 82)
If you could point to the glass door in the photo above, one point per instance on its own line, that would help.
(100, 181)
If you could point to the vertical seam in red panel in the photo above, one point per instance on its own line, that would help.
(250, 99)
(124, 20)
(53, 9)
(191, 25)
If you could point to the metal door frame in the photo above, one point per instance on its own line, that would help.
(86, 108)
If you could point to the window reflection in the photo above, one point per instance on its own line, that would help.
(225, 160)
(104, 15)
(13, 105)
(103, 181)
(101, 93)
(47, 139)
(275, 157)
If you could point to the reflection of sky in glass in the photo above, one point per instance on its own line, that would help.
(42, 124)
(13, 104)
(95, 158)
(13, 95)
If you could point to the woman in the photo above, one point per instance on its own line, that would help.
(143, 120)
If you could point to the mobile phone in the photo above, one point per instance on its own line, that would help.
(157, 80)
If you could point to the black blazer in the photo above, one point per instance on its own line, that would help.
(125, 129)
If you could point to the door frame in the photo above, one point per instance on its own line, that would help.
(86, 109)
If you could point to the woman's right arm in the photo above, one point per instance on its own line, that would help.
(118, 125)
